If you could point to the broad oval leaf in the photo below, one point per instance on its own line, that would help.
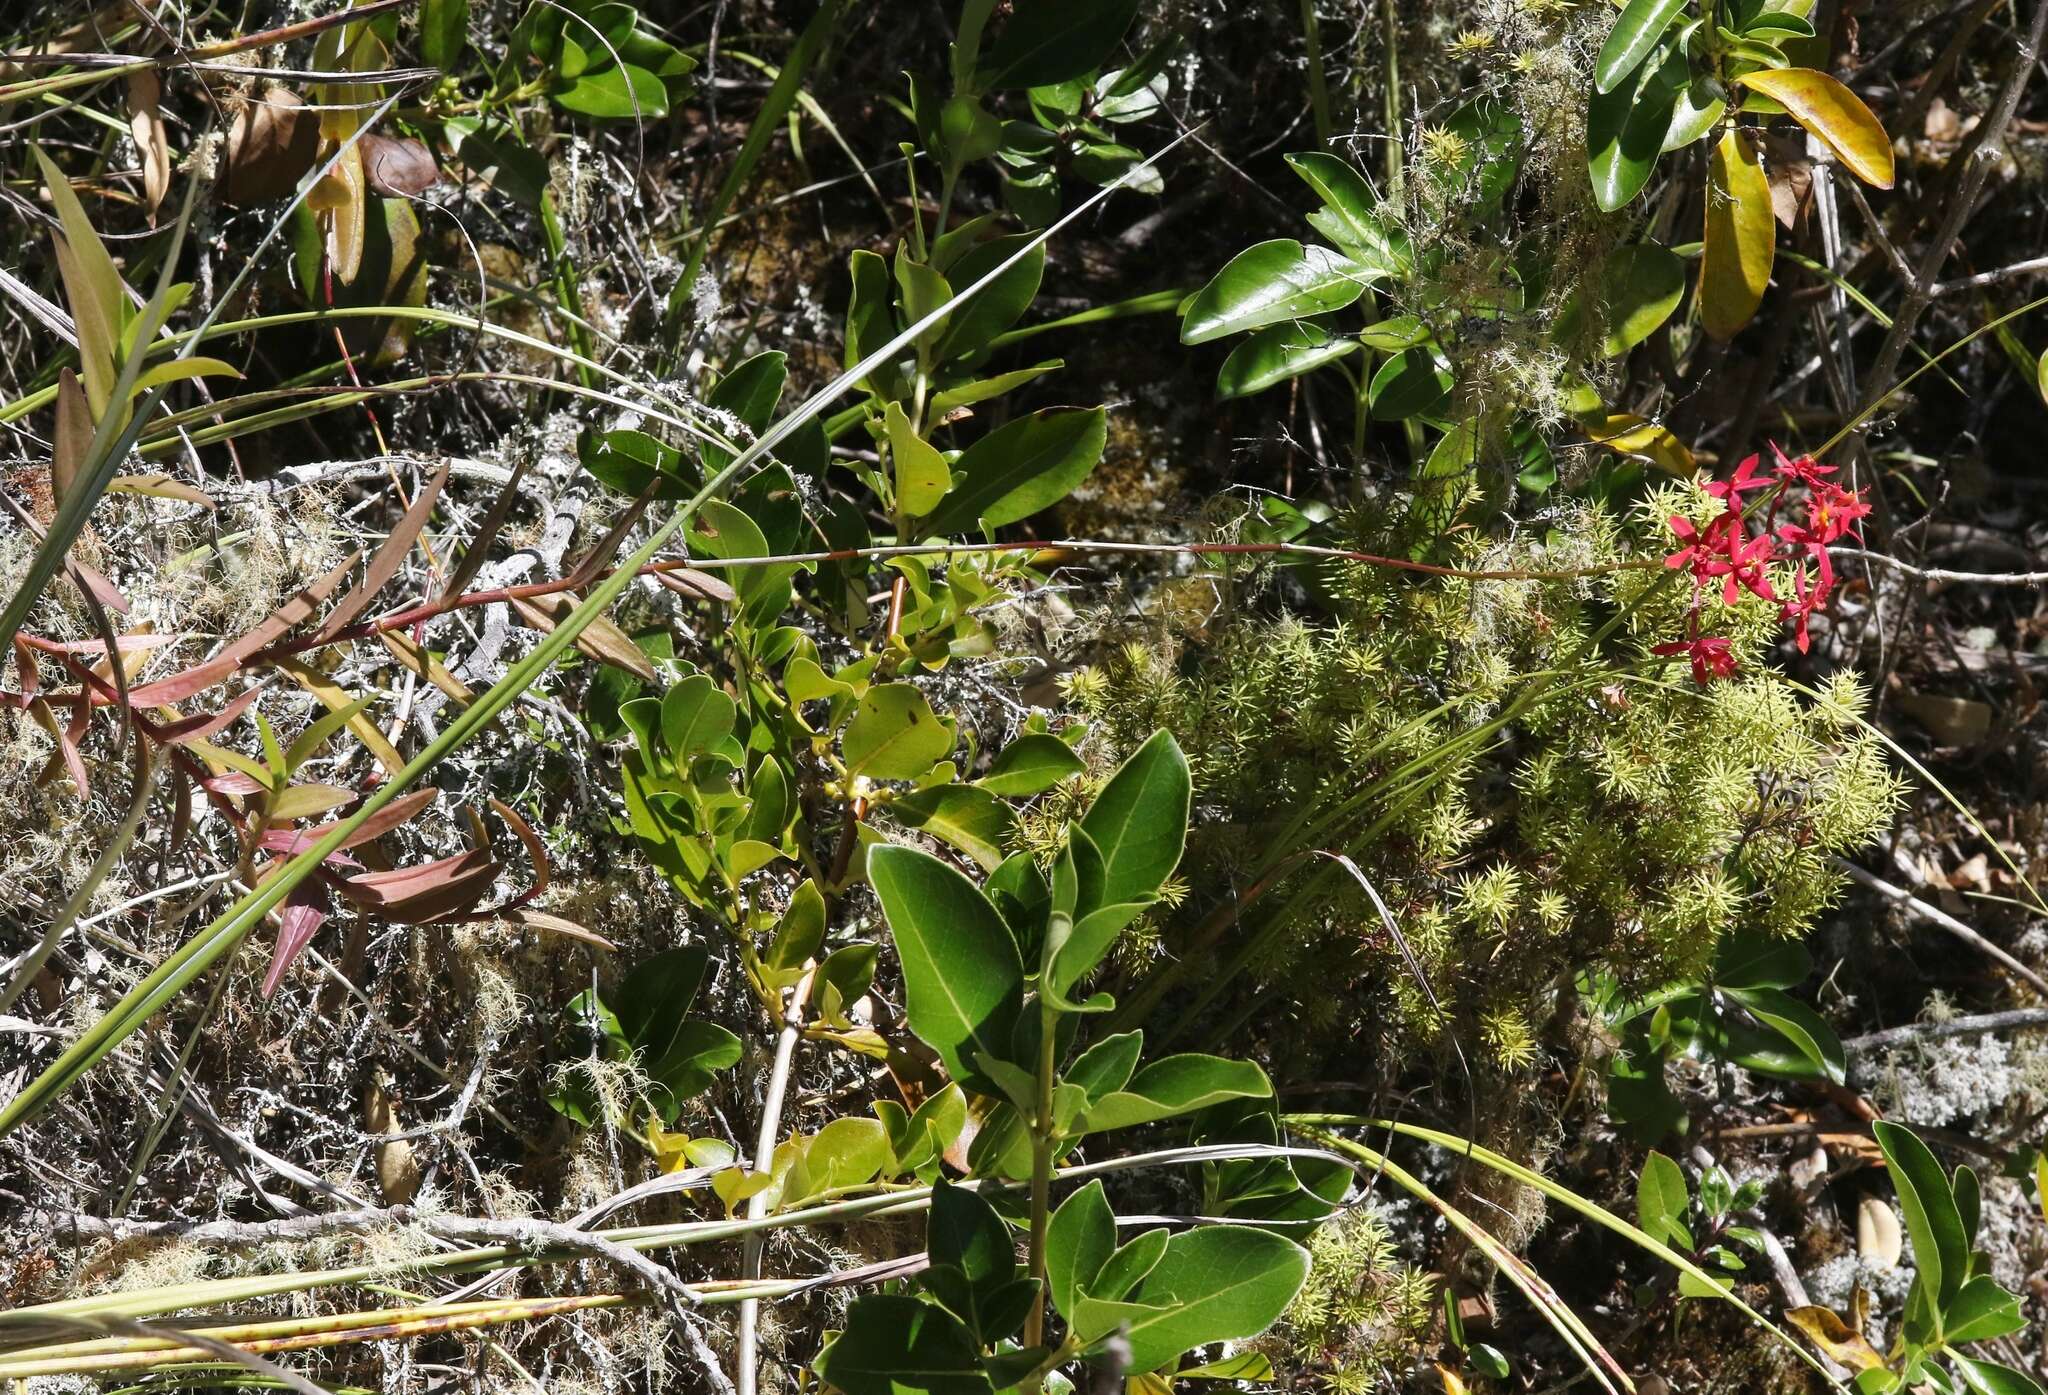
(1741, 237)
(1834, 114)
(1052, 41)
(969, 818)
(1642, 284)
(1625, 131)
(1641, 24)
(1275, 354)
(894, 734)
(1214, 1284)
(1661, 1201)
(1349, 200)
(1020, 468)
(1139, 822)
(1030, 765)
(1271, 282)
(1079, 1239)
(962, 977)
(1410, 383)
(894, 1344)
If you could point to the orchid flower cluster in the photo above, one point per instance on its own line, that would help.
(1725, 552)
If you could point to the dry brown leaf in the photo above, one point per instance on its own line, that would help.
(384, 563)
(551, 924)
(415, 657)
(601, 639)
(398, 167)
(74, 435)
(273, 142)
(146, 125)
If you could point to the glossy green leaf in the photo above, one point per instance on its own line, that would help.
(678, 1054)
(696, 715)
(1128, 1267)
(1941, 1246)
(1353, 224)
(1172, 1086)
(1001, 303)
(801, 931)
(1030, 765)
(969, 819)
(1139, 821)
(1992, 1377)
(1215, 1284)
(1800, 1025)
(1632, 39)
(614, 93)
(1640, 284)
(1749, 959)
(1410, 383)
(1020, 468)
(1271, 282)
(1625, 131)
(1276, 354)
(922, 474)
(1980, 1311)
(962, 975)
(443, 25)
(1661, 1201)
(1079, 1239)
(1695, 111)
(750, 392)
(1052, 41)
(894, 735)
(897, 1345)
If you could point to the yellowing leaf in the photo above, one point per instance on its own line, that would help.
(1834, 114)
(159, 487)
(336, 699)
(74, 435)
(91, 286)
(1826, 1330)
(922, 475)
(1741, 237)
(173, 370)
(1627, 434)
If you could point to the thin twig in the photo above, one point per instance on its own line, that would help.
(1934, 915)
(1979, 1025)
(748, 1359)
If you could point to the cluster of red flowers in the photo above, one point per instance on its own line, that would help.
(1725, 552)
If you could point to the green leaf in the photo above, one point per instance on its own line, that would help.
(1129, 1266)
(1941, 1246)
(615, 93)
(1661, 1201)
(1215, 1284)
(947, 401)
(1020, 468)
(1981, 1311)
(1352, 224)
(1798, 1024)
(1051, 41)
(801, 932)
(630, 461)
(1441, 484)
(962, 976)
(894, 1344)
(1000, 304)
(1276, 354)
(1410, 383)
(1030, 765)
(1993, 1378)
(1079, 1239)
(1625, 131)
(846, 1153)
(1139, 821)
(1086, 941)
(1747, 959)
(443, 24)
(1634, 36)
(970, 819)
(725, 531)
(677, 1054)
(696, 715)
(893, 735)
(1172, 1086)
(750, 392)
(1641, 285)
(922, 475)
(1271, 282)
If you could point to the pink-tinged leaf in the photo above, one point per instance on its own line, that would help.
(697, 586)
(307, 800)
(304, 911)
(179, 686)
(66, 736)
(388, 558)
(25, 668)
(414, 895)
(535, 850)
(103, 590)
(124, 644)
(398, 811)
(293, 612)
(203, 725)
(555, 925)
(232, 782)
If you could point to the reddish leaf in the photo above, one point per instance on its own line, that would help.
(293, 612)
(696, 586)
(555, 925)
(231, 782)
(398, 811)
(204, 724)
(138, 643)
(601, 639)
(304, 911)
(179, 686)
(66, 735)
(398, 168)
(384, 565)
(430, 891)
(25, 667)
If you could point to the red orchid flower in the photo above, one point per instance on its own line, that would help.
(1710, 655)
